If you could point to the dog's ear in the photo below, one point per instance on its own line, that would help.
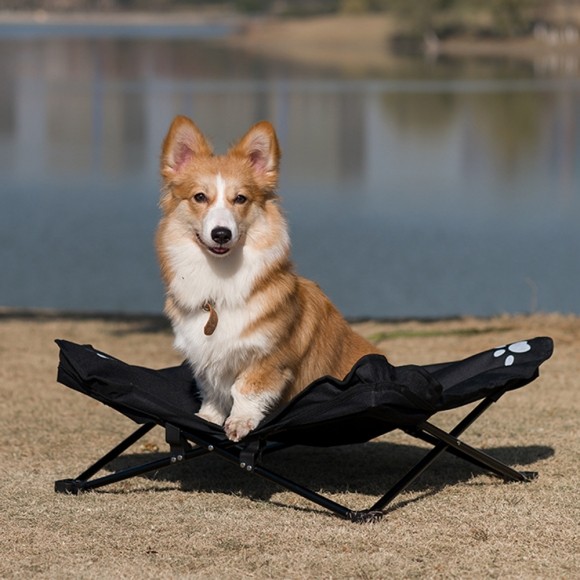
(260, 147)
(183, 142)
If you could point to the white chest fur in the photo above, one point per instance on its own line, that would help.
(226, 283)
(218, 358)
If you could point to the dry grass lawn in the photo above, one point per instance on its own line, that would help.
(208, 519)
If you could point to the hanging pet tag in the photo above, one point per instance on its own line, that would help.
(212, 321)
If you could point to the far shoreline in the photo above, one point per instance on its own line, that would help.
(328, 40)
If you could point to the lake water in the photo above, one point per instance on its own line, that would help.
(447, 189)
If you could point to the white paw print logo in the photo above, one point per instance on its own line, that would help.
(516, 348)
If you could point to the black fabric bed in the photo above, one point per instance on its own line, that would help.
(375, 398)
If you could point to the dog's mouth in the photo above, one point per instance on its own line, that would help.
(217, 250)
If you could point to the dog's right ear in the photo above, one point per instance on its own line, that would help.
(183, 143)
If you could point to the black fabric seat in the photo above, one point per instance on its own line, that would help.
(375, 398)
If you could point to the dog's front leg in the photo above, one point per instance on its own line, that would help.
(216, 402)
(211, 412)
(255, 392)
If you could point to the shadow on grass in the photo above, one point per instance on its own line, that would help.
(138, 323)
(368, 469)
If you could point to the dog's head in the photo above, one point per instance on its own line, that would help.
(217, 198)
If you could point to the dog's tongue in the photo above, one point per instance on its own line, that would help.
(220, 250)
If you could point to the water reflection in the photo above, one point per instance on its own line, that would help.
(406, 197)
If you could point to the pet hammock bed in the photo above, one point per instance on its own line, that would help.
(375, 398)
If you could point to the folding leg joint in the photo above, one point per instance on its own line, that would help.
(178, 444)
(250, 455)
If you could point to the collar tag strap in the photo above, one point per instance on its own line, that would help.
(212, 321)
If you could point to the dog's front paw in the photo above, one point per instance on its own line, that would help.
(211, 414)
(237, 427)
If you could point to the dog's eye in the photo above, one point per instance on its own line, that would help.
(200, 197)
(240, 199)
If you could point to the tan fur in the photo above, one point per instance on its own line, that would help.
(277, 332)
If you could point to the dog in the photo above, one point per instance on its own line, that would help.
(254, 332)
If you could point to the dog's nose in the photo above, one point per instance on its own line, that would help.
(221, 235)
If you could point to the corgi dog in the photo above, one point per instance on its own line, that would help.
(253, 331)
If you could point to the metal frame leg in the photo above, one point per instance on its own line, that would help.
(248, 457)
(79, 483)
(478, 457)
(84, 482)
(449, 442)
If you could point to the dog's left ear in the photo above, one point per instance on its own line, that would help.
(260, 147)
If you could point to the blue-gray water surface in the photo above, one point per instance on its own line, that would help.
(445, 189)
